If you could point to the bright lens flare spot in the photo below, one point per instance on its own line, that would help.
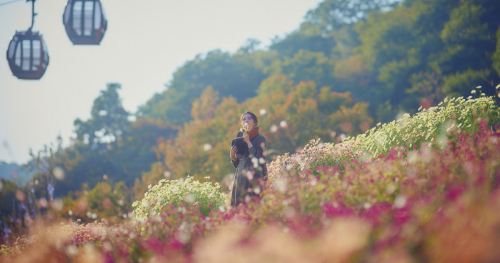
(43, 202)
(207, 147)
(412, 157)
(280, 184)
(71, 251)
(20, 195)
(57, 204)
(107, 204)
(346, 126)
(425, 103)
(400, 201)
(364, 126)
(426, 152)
(81, 205)
(390, 188)
(190, 198)
(58, 173)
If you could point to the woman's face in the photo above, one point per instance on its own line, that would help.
(247, 121)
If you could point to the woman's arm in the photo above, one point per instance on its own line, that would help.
(235, 163)
(258, 149)
(255, 150)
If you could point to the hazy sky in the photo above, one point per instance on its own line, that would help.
(145, 43)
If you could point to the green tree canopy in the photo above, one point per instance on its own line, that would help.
(108, 121)
(235, 75)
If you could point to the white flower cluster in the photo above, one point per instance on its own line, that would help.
(176, 192)
(433, 126)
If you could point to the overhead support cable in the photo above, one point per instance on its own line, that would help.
(10, 2)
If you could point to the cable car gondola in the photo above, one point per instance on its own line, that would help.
(85, 21)
(27, 54)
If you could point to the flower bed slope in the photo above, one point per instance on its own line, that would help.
(433, 127)
(431, 203)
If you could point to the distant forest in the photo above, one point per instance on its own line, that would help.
(350, 65)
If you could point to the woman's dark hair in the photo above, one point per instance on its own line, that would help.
(251, 115)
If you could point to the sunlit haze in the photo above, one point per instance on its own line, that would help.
(145, 43)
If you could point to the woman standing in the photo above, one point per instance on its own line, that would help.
(250, 164)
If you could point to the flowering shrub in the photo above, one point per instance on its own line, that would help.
(411, 204)
(434, 126)
(176, 192)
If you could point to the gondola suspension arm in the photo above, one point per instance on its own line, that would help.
(33, 14)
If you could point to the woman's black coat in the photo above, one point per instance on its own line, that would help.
(248, 172)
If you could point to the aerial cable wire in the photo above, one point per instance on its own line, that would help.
(10, 2)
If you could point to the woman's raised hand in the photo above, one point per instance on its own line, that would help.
(246, 137)
(233, 152)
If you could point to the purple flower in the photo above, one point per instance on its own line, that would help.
(454, 192)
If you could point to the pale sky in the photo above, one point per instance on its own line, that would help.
(145, 43)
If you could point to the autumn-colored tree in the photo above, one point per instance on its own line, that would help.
(199, 146)
(289, 116)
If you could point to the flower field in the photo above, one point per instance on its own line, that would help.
(424, 188)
